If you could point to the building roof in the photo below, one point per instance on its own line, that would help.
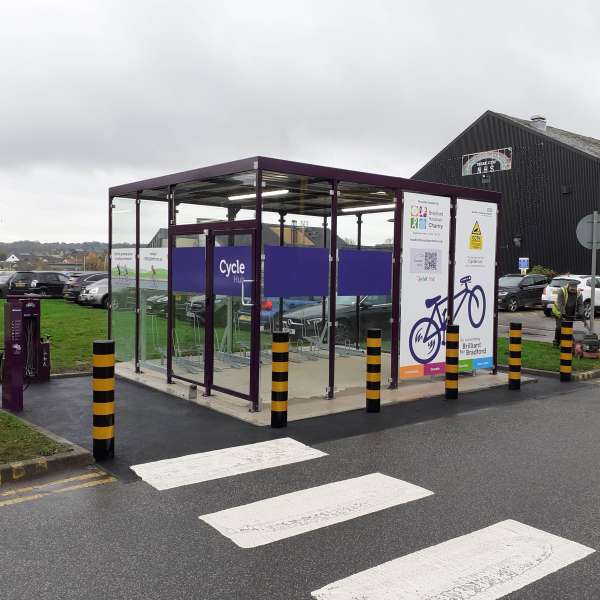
(588, 145)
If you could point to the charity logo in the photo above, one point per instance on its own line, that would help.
(476, 238)
(418, 217)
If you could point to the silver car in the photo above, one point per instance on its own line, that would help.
(95, 294)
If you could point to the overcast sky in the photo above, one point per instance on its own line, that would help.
(95, 94)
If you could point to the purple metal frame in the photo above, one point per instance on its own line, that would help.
(357, 301)
(332, 287)
(136, 350)
(109, 266)
(172, 222)
(214, 229)
(256, 297)
(495, 369)
(262, 163)
(396, 264)
(452, 260)
(259, 164)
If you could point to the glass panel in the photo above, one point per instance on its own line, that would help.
(153, 284)
(230, 197)
(305, 205)
(233, 284)
(123, 278)
(370, 306)
(189, 302)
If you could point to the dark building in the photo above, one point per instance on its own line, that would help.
(549, 179)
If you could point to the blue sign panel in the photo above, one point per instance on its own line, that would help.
(364, 272)
(292, 271)
(188, 270)
(232, 266)
(524, 263)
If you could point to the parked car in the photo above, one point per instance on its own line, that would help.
(95, 294)
(77, 281)
(517, 291)
(375, 312)
(269, 309)
(5, 277)
(195, 308)
(584, 285)
(44, 283)
(157, 305)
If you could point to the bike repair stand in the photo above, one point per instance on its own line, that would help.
(26, 356)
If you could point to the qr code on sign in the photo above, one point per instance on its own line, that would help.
(430, 261)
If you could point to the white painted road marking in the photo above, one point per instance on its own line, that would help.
(205, 466)
(284, 516)
(484, 565)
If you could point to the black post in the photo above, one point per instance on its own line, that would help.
(279, 379)
(566, 350)
(452, 352)
(103, 406)
(373, 386)
(515, 345)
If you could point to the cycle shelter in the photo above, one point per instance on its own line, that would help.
(206, 264)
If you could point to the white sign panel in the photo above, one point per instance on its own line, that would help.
(475, 276)
(425, 247)
(153, 266)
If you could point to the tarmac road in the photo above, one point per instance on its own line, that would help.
(530, 456)
(536, 326)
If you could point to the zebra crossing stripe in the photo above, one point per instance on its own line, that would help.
(486, 564)
(291, 514)
(206, 466)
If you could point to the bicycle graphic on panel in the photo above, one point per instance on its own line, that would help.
(426, 334)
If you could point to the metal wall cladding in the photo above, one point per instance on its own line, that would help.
(548, 189)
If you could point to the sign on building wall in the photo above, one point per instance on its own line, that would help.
(425, 248)
(474, 283)
(488, 161)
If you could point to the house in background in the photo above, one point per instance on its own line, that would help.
(549, 179)
(12, 259)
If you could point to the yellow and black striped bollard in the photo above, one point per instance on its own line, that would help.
(566, 350)
(515, 346)
(373, 391)
(452, 362)
(103, 386)
(279, 379)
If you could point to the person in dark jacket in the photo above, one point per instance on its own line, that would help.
(568, 306)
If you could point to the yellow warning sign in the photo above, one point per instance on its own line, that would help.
(476, 238)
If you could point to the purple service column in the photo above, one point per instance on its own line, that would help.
(12, 380)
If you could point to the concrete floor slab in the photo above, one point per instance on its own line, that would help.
(306, 401)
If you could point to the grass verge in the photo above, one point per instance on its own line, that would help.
(20, 442)
(72, 328)
(544, 356)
